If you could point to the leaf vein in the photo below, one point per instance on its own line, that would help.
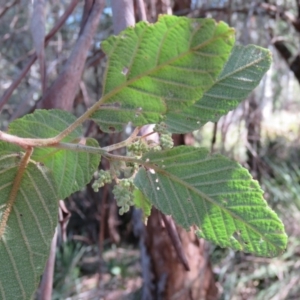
(34, 215)
(15, 269)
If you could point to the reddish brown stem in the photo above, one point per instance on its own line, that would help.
(14, 191)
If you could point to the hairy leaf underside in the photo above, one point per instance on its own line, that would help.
(71, 170)
(241, 74)
(158, 68)
(25, 237)
(28, 220)
(216, 195)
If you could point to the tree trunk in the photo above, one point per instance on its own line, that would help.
(171, 280)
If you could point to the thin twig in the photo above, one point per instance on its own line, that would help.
(271, 10)
(23, 142)
(173, 234)
(45, 290)
(95, 150)
(86, 98)
(124, 143)
(147, 134)
(17, 81)
(7, 6)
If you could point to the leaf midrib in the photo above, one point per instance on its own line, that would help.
(240, 69)
(116, 90)
(211, 200)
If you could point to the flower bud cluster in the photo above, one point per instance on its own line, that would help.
(103, 178)
(138, 148)
(123, 192)
(166, 141)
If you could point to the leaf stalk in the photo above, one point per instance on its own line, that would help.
(14, 190)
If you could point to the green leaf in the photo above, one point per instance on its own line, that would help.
(214, 193)
(157, 68)
(242, 73)
(141, 202)
(25, 243)
(71, 170)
